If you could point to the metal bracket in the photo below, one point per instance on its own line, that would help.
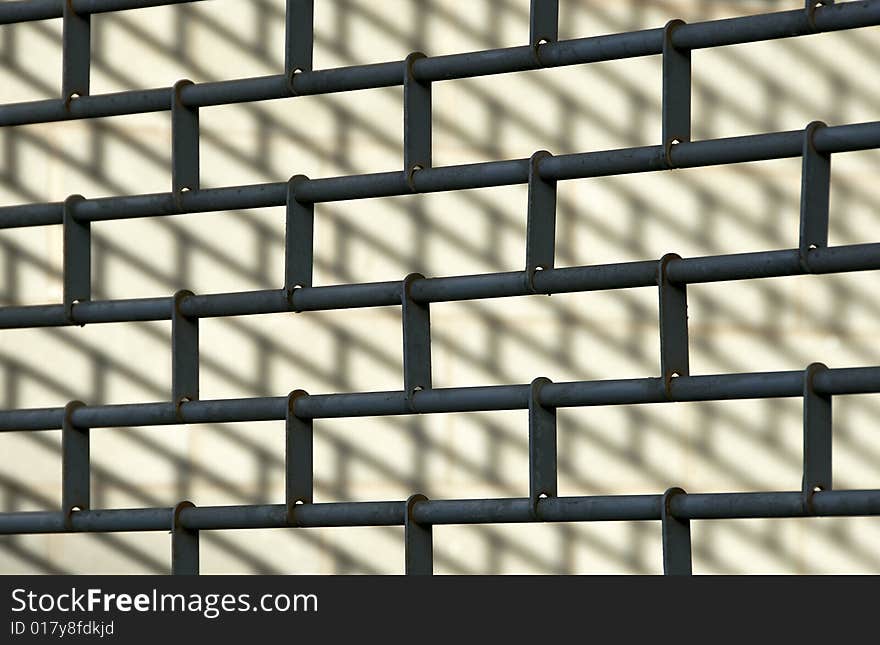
(77, 262)
(542, 447)
(298, 39)
(810, 7)
(76, 53)
(815, 196)
(184, 145)
(673, 325)
(817, 435)
(676, 92)
(419, 541)
(299, 240)
(416, 339)
(184, 544)
(184, 353)
(676, 538)
(75, 472)
(298, 457)
(541, 226)
(416, 121)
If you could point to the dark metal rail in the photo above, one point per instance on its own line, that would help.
(713, 152)
(670, 275)
(610, 508)
(710, 387)
(599, 277)
(553, 53)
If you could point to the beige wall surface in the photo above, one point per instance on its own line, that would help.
(776, 324)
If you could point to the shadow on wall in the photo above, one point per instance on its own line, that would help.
(593, 456)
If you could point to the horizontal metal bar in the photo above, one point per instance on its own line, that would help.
(30, 10)
(625, 275)
(688, 506)
(759, 147)
(149, 205)
(752, 385)
(839, 503)
(106, 6)
(116, 520)
(647, 42)
(772, 26)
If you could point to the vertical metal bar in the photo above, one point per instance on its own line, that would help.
(817, 435)
(416, 339)
(543, 21)
(419, 542)
(298, 38)
(298, 456)
(184, 143)
(184, 353)
(541, 227)
(298, 239)
(184, 545)
(76, 52)
(673, 324)
(676, 538)
(542, 447)
(815, 195)
(75, 472)
(676, 92)
(77, 257)
(416, 120)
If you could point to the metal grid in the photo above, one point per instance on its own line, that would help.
(816, 385)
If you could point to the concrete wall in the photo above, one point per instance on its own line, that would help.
(774, 324)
